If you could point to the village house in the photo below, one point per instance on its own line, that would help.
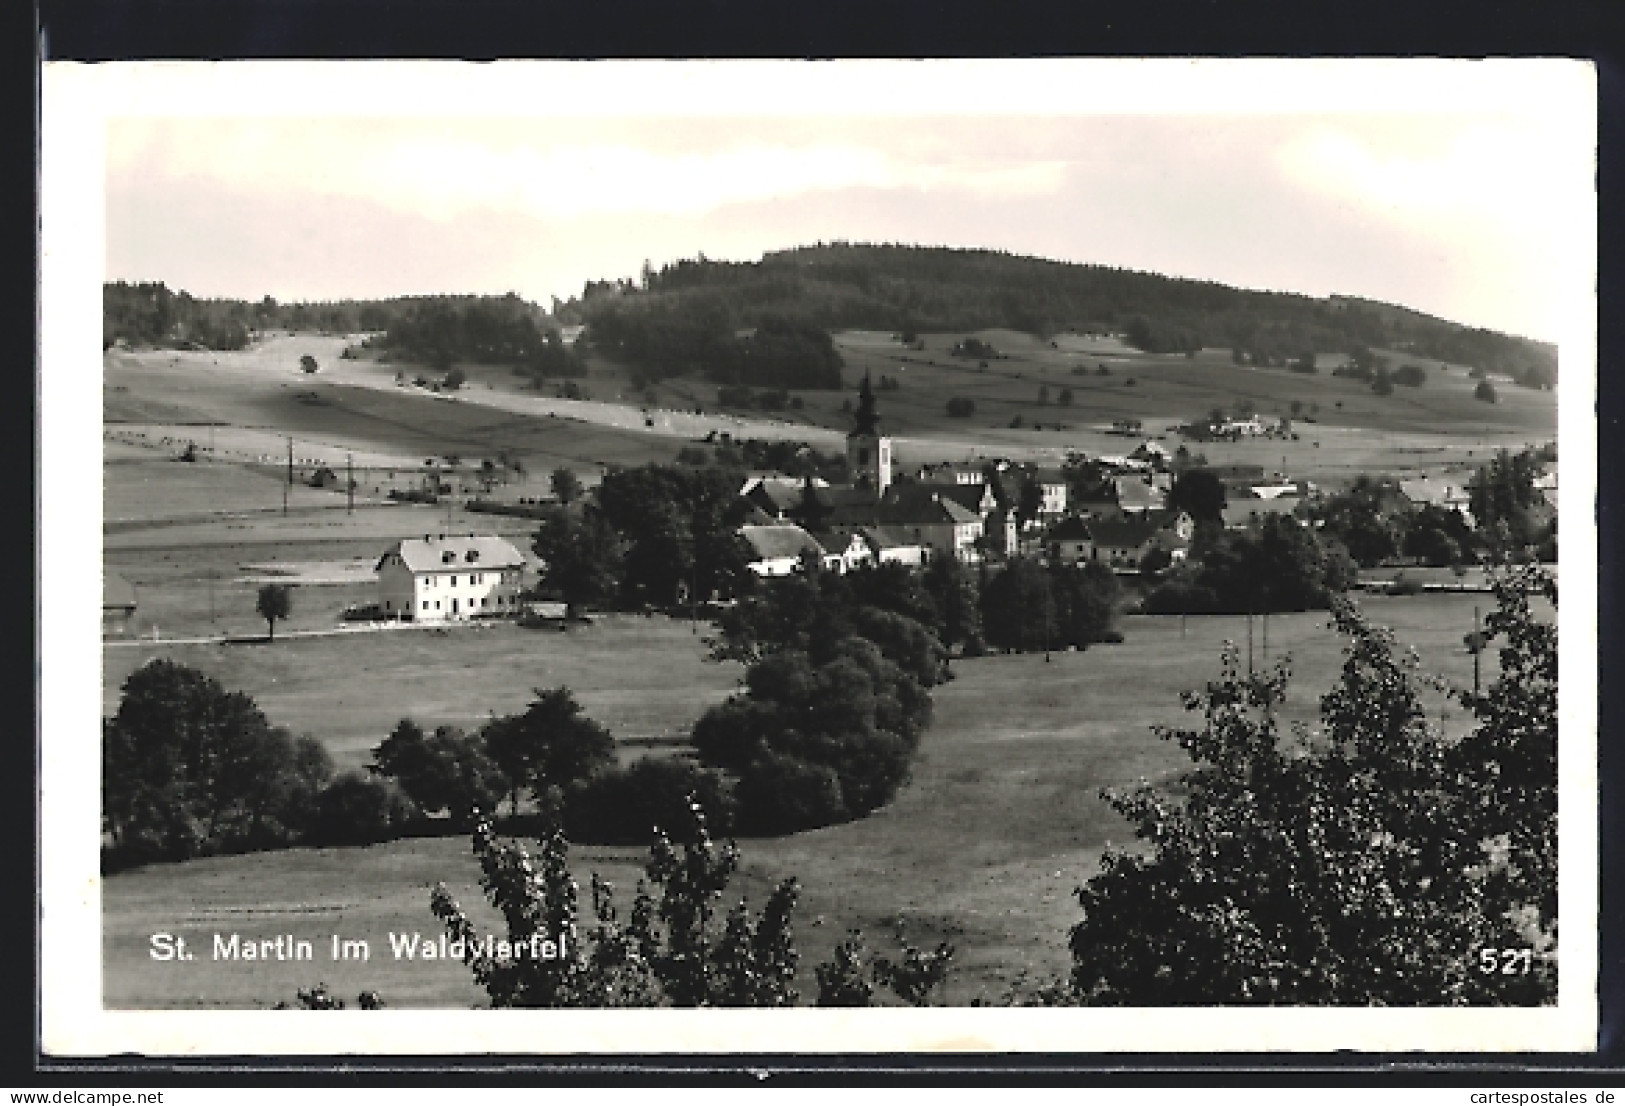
(1242, 514)
(1136, 496)
(1069, 542)
(951, 472)
(780, 549)
(449, 578)
(1439, 493)
(1124, 543)
(934, 520)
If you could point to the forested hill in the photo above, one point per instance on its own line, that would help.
(912, 288)
(150, 314)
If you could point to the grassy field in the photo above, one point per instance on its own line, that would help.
(358, 405)
(1001, 821)
(645, 678)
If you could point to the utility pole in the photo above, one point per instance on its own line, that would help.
(289, 482)
(1266, 635)
(349, 482)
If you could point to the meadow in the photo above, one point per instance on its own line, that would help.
(1000, 822)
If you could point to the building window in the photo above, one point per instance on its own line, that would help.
(425, 604)
(437, 604)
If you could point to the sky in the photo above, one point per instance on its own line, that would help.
(1461, 209)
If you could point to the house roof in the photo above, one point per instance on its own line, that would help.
(1430, 489)
(1050, 476)
(923, 504)
(1239, 512)
(968, 496)
(780, 540)
(429, 553)
(1137, 495)
(884, 537)
(1163, 518)
(1070, 529)
(1122, 534)
(775, 495)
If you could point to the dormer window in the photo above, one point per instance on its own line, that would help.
(472, 555)
(448, 557)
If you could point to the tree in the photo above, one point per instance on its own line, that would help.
(1029, 499)
(275, 603)
(1018, 608)
(961, 408)
(581, 557)
(680, 949)
(551, 744)
(307, 363)
(566, 485)
(1485, 392)
(1065, 397)
(1362, 868)
(189, 768)
(1507, 507)
(1200, 494)
(454, 380)
(448, 770)
(953, 592)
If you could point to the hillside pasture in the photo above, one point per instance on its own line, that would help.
(1001, 820)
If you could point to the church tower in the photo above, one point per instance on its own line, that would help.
(868, 452)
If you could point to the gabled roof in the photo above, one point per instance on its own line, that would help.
(1137, 495)
(884, 537)
(780, 540)
(774, 495)
(428, 553)
(1124, 534)
(1050, 476)
(1239, 512)
(1164, 518)
(924, 504)
(1430, 489)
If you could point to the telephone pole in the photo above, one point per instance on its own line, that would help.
(349, 483)
(289, 482)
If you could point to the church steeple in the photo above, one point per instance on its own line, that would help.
(865, 418)
(868, 453)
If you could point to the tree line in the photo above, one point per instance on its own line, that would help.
(913, 288)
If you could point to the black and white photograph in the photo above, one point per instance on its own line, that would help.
(819, 556)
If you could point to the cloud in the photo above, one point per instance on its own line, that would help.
(441, 176)
(1503, 177)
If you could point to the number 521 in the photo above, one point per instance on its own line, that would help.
(1505, 961)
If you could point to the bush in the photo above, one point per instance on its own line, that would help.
(961, 408)
(625, 806)
(358, 810)
(782, 794)
(1485, 392)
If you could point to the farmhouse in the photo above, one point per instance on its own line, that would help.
(1241, 514)
(938, 523)
(1070, 541)
(780, 549)
(1124, 544)
(1439, 493)
(449, 578)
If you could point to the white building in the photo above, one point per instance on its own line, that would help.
(449, 578)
